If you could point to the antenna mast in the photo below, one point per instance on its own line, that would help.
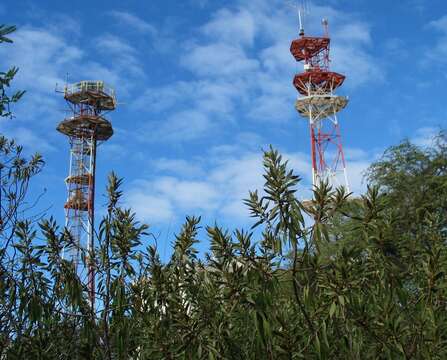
(302, 10)
(325, 24)
(301, 23)
(85, 128)
(318, 103)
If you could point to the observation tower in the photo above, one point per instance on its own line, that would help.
(85, 128)
(318, 103)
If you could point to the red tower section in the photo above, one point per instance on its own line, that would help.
(318, 103)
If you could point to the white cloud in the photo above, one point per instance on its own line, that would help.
(57, 23)
(205, 96)
(356, 172)
(124, 55)
(133, 21)
(112, 150)
(218, 59)
(438, 52)
(47, 55)
(231, 27)
(179, 167)
(419, 5)
(273, 100)
(187, 194)
(181, 126)
(31, 141)
(353, 154)
(114, 45)
(354, 32)
(276, 58)
(186, 111)
(439, 24)
(424, 136)
(238, 174)
(243, 142)
(163, 98)
(350, 56)
(164, 198)
(219, 97)
(358, 67)
(301, 165)
(153, 209)
(217, 190)
(199, 3)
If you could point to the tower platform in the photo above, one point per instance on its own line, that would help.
(317, 81)
(93, 93)
(83, 179)
(77, 126)
(320, 106)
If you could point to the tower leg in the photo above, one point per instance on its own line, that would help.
(91, 224)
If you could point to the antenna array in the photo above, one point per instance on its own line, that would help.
(319, 104)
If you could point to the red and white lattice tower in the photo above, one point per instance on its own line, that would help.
(85, 128)
(320, 105)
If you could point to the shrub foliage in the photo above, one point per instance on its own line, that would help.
(354, 280)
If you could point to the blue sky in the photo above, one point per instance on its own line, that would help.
(204, 85)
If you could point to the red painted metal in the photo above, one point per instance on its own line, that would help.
(313, 153)
(310, 81)
(306, 48)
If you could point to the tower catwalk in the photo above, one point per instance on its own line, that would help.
(318, 103)
(85, 128)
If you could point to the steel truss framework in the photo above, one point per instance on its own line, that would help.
(320, 106)
(85, 128)
(79, 208)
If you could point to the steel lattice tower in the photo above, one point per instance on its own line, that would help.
(85, 129)
(319, 104)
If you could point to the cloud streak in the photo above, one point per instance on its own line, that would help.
(133, 22)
